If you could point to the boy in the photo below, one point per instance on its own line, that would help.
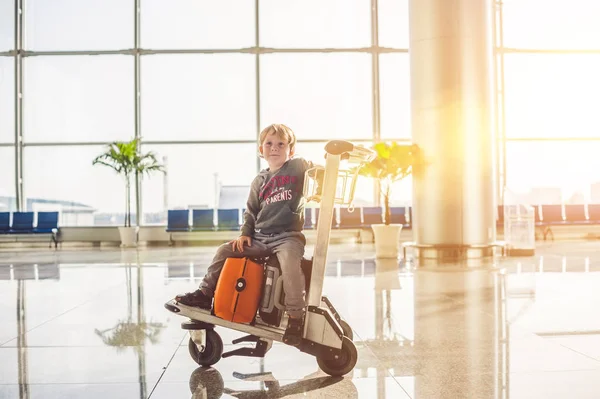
(273, 223)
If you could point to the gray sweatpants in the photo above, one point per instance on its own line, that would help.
(289, 249)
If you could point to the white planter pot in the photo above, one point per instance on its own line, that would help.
(128, 236)
(387, 240)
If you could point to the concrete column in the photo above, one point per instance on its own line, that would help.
(451, 100)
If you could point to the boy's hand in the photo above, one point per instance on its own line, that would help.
(238, 245)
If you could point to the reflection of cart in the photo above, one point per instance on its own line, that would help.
(207, 383)
(325, 335)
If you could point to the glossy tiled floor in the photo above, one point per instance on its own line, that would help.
(91, 324)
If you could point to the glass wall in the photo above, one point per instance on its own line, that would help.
(198, 97)
(62, 178)
(315, 23)
(318, 95)
(7, 25)
(7, 179)
(205, 92)
(552, 97)
(212, 74)
(61, 25)
(195, 174)
(193, 24)
(7, 100)
(394, 89)
(551, 24)
(77, 99)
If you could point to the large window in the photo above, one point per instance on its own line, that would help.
(199, 97)
(552, 96)
(7, 179)
(197, 24)
(63, 178)
(551, 24)
(78, 98)
(570, 167)
(7, 25)
(320, 96)
(78, 25)
(193, 95)
(394, 89)
(315, 23)
(393, 23)
(194, 175)
(7, 100)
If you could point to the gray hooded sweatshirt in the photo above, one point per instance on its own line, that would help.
(275, 204)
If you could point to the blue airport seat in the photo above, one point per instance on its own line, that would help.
(4, 222)
(350, 220)
(333, 218)
(178, 220)
(593, 213)
(575, 214)
(203, 219)
(22, 223)
(308, 223)
(552, 214)
(47, 222)
(398, 215)
(228, 219)
(372, 215)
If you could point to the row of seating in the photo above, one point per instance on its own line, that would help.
(547, 216)
(229, 219)
(22, 223)
(562, 214)
(364, 217)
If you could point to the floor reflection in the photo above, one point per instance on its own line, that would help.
(208, 383)
(29, 271)
(20, 273)
(134, 332)
(526, 328)
(23, 358)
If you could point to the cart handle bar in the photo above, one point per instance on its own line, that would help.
(348, 150)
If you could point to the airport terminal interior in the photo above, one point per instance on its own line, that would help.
(487, 288)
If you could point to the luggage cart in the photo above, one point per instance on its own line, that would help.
(326, 336)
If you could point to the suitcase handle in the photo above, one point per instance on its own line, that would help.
(278, 291)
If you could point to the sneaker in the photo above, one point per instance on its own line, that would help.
(197, 299)
(293, 332)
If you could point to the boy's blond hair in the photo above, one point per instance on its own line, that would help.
(282, 131)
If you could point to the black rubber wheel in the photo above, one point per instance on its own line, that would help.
(206, 382)
(344, 363)
(211, 354)
(347, 330)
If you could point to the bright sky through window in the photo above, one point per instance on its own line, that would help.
(213, 97)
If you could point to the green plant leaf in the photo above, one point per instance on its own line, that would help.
(392, 163)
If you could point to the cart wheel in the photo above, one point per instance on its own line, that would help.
(211, 354)
(347, 330)
(344, 363)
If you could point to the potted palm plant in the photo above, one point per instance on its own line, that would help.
(126, 159)
(393, 163)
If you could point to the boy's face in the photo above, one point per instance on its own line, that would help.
(276, 151)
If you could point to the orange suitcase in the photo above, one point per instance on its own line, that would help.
(238, 290)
